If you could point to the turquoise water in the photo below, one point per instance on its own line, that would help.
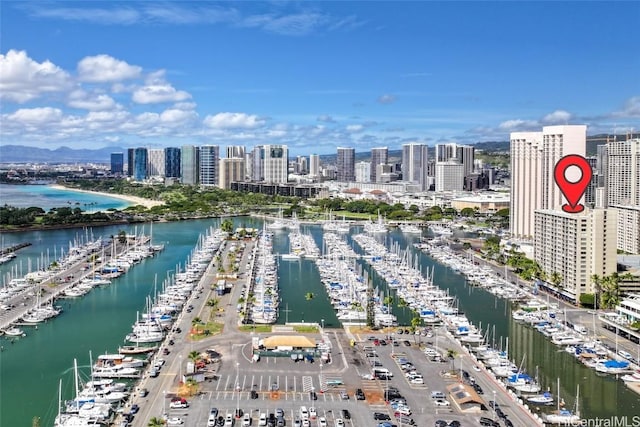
(24, 196)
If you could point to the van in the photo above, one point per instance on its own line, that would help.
(383, 371)
(430, 352)
(438, 395)
(304, 413)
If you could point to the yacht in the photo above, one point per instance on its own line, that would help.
(631, 378)
(14, 332)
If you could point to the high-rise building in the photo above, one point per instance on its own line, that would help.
(301, 165)
(140, 164)
(533, 159)
(155, 165)
(130, 155)
(573, 247)
(446, 152)
(363, 172)
(466, 155)
(172, 162)
(314, 165)
(628, 228)
(257, 161)
(276, 164)
(117, 163)
(449, 175)
(414, 164)
(379, 156)
(235, 152)
(190, 164)
(231, 170)
(623, 172)
(345, 163)
(209, 164)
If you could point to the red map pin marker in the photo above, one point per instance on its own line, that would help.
(572, 191)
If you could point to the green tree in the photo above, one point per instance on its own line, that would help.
(556, 279)
(451, 355)
(35, 422)
(467, 212)
(227, 226)
(156, 422)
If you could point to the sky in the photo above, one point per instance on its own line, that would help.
(312, 75)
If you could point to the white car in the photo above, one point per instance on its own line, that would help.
(339, 422)
(322, 422)
(262, 421)
(175, 421)
(312, 413)
(441, 402)
(306, 423)
(246, 420)
(228, 421)
(417, 380)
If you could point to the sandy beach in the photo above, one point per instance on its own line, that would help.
(132, 199)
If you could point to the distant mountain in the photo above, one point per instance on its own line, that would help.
(21, 154)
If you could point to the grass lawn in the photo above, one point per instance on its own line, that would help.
(306, 329)
(256, 328)
(203, 330)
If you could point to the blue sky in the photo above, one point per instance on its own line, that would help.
(313, 75)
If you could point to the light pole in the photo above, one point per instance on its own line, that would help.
(238, 388)
(494, 405)
(321, 389)
(322, 322)
(164, 402)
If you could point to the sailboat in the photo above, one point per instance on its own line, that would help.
(565, 416)
(545, 398)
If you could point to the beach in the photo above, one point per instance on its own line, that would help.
(147, 203)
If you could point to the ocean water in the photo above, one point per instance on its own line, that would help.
(46, 197)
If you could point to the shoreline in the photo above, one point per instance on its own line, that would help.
(134, 200)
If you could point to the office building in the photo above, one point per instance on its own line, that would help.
(379, 156)
(466, 155)
(172, 162)
(117, 163)
(235, 152)
(257, 163)
(209, 164)
(140, 164)
(533, 159)
(414, 164)
(190, 164)
(446, 152)
(231, 170)
(155, 166)
(314, 165)
(345, 164)
(363, 172)
(275, 164)
(301, 165)
(449, 175)
(575, 247)
(130, 155)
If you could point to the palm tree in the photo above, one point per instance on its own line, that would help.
(155, 422)
(451, 355)
(388, 300)
(194, 356)
(556, 279)
(227, 226)
(597, 289)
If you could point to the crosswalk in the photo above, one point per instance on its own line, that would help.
(332, 396)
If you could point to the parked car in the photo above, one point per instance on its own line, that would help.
(360, 394)
(441, 402)
(346, 414)
(175, 421)
(322, 422)
(381, 416)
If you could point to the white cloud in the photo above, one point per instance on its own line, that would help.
(124, 16)
(23, 79)
(156, 93)
(105, 68)
(35, 116)
(518, 125)
(94, 102)
(233, 121)
(558, 117)
(631, 108)
(354, 128)
(386, 99)
(177, 117)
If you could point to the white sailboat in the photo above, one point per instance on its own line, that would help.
(565, 416)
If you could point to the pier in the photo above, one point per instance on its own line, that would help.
(47, 290)
(14, 248)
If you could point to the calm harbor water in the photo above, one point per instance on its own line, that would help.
(31, 367)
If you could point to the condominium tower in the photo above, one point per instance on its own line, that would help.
(276, 164)
(345, 164)
(414, 164)
(533, 159)
(379, 156)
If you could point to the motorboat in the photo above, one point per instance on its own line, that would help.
(14, 332)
